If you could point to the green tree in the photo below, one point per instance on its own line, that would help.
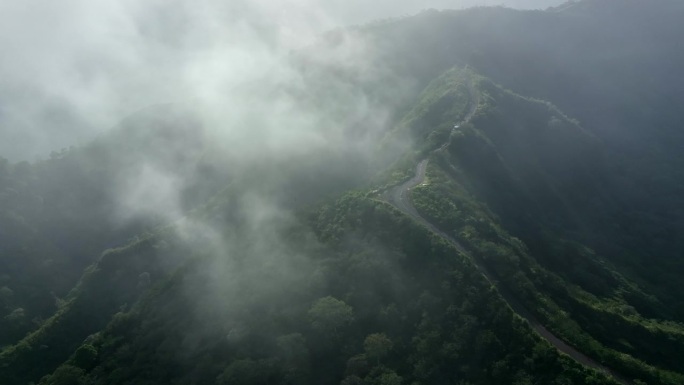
(85, 357)
(377, 345)
(330, 314)
(65, 375)
(384, 376)
(246, 372)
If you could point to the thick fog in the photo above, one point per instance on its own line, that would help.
(75, 68)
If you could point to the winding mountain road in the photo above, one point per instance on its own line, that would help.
(399, 197)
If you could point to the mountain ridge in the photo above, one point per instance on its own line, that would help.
(305, 273)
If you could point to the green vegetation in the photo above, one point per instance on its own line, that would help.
(304, 273)
(582, 298)
(414, 309)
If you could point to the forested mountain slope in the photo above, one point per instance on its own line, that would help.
(549, 214)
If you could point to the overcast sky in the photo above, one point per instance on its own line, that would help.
(73, 68)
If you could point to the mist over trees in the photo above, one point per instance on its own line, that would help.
(243, 221)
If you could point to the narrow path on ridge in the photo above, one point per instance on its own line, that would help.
(399, 197)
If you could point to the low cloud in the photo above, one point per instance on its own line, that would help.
(75, 68)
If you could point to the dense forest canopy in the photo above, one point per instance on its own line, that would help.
(476, 196)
